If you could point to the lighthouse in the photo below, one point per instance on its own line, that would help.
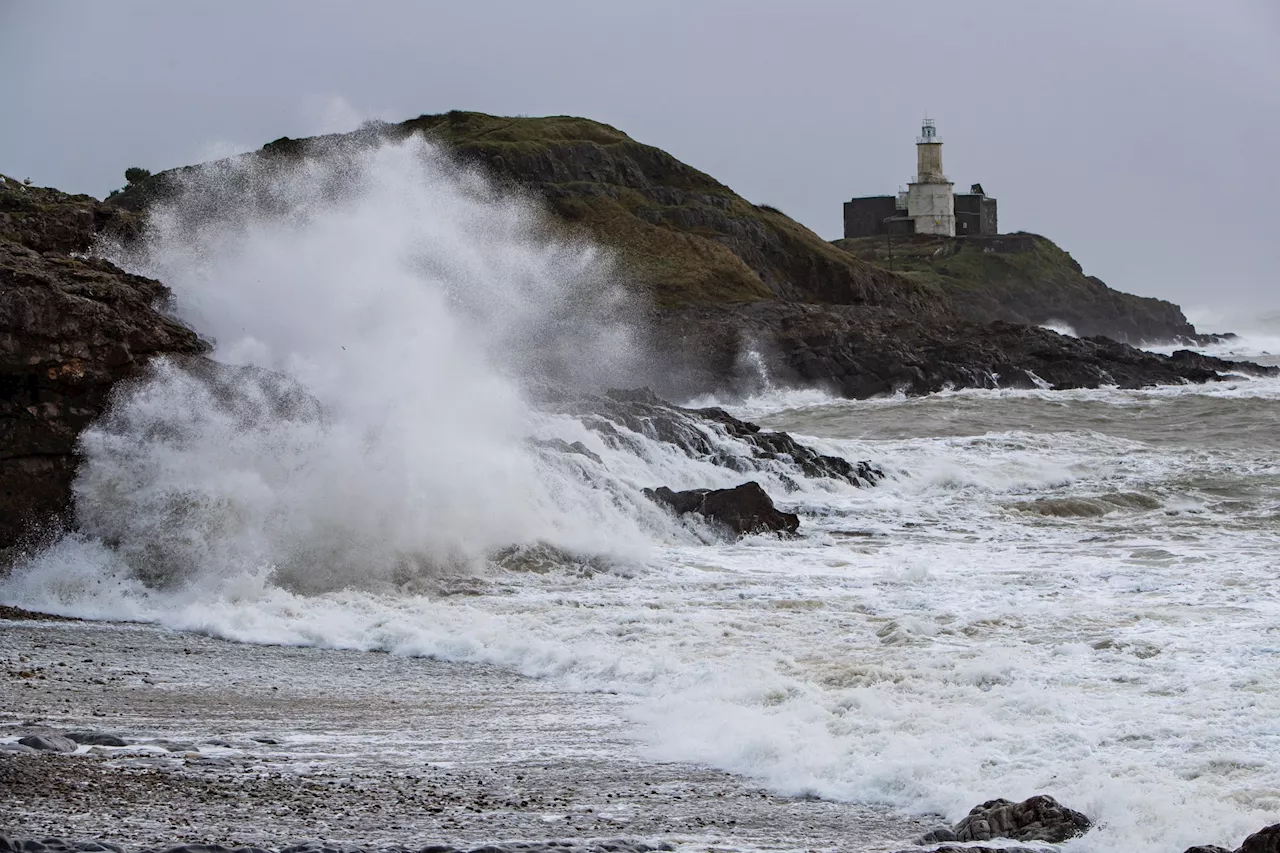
(930, 201)
(928, 206)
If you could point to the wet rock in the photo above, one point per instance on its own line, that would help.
(49, 743)
(1206, 848)
(866, 351)
(97, 739)
(55, 845)
(559, 445)
(1263, 841)
(709, 434)
(743, 509)
(21, 749)
(17, 614)
(71, 329)
(541, 558)
(1040, 818)
(173, 746)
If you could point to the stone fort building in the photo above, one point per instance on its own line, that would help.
(928, 206)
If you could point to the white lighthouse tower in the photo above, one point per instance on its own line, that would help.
(930, 200)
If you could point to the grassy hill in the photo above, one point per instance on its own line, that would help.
(686, 238)
(1022, 278)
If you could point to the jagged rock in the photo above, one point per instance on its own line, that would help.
(49, 743)
(700, 433)
(96, 739)
(865, 351)
(1040, 818)
(743, 509)
(71, 328)
(559, 445)
(1206, 848)
(1266, 840)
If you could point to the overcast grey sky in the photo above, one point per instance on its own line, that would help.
(1140, 135)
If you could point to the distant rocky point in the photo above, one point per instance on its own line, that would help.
(1026, 278)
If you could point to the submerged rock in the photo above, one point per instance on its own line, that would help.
(96, 739)
(743, 509)
(49, 743)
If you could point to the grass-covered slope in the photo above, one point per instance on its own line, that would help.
(685, 237)
(1023, 278)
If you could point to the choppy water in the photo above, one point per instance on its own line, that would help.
(1068, 593)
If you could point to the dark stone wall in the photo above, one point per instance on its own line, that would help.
(975, 215)
(990, 224)
(864, 217)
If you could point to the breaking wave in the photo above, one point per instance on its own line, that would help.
(1051, 591)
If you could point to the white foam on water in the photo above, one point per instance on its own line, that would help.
(941, 639)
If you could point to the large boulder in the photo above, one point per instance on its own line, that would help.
(1265, 840)
(742, 509)
(1040, 818)
(49, 743)
(71, 328)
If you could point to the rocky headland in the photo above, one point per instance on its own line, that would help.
(737, 290)
(737, 295)
(1026, 279)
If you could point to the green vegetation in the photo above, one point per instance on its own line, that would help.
(683, 237)
(1022, 278)
(136, 174)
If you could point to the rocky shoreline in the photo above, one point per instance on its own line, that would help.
(75, 329)
(102, 753)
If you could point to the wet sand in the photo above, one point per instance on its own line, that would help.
(242, 744)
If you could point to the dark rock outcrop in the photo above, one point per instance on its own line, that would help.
(743, 509)
(619, 415)
(1265, 840)
(96, 739)
(858, 353)
(1025, 278)
(70, 329)
(1040, 818)
(49, 743)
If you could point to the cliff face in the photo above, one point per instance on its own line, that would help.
(1024, 278)
(70, 328)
